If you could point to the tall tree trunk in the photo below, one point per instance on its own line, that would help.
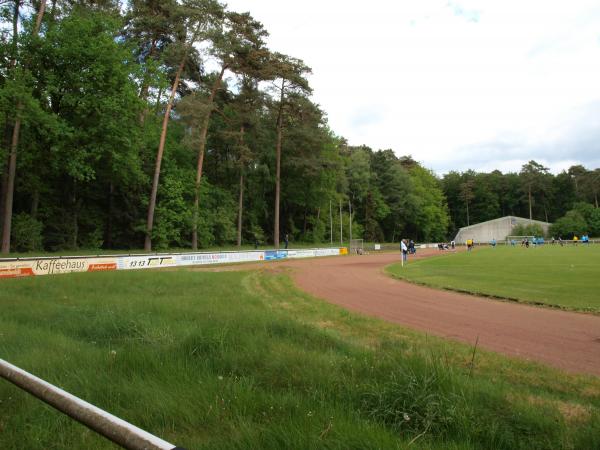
(35, 203)
(545, 212)
(530, 209)
(159, 155)
(278, 166)
(10, 187)
(9, 132)
(40, 16)
(4, 186)
(305, 221)
(468, 220)
(75, 216)
(317, 223)
(240, 208)
(596, 198)
(15, 35)
(241, 198)
(201, 148)
(109, 220)
(12, 163)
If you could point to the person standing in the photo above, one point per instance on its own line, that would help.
(404, 250)
(469, 244)
(286, 240)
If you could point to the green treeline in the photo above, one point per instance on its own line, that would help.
(171, 124)
(532, 193)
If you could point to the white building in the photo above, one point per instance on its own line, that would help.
(495, 229)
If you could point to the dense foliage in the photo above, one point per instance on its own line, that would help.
(171, 124)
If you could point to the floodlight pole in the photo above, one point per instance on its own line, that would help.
(350, 212)
(341, 226)
(330, 223)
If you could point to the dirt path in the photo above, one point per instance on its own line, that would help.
(566, 340)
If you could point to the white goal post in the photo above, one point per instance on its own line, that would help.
(357, 246)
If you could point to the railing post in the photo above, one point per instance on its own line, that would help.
(111, 427)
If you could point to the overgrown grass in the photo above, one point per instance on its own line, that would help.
(565, 277)
(244, 360)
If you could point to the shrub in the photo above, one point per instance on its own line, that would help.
(573, 223)
(26, 233)
(92, 240)
(591, 216)
(530, 229)
(593, 223)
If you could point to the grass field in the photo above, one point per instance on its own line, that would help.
(243, 360)
(566, 277)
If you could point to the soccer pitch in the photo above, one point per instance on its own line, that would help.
(566, 277)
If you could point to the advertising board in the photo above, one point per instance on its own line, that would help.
(13, 268)
(271, 255)
(50, 266)
(219, 258)
(146, 262)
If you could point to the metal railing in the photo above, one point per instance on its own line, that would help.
(111, 427)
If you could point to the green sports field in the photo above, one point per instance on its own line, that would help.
(244, 360)
(566, 277)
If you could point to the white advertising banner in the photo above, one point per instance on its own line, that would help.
(12, 268)
(50, 266)
(301, 253)
(146, 262)
(193, 259)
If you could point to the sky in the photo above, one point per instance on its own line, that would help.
(473, 84)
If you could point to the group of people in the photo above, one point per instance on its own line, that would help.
(407, 246)
(585, 239)
(446, 245)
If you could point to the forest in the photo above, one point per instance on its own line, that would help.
(170, 124)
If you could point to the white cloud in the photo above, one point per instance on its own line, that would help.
(437, 78)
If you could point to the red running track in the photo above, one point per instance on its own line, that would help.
(566, 340)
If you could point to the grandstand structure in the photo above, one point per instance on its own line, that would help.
(496, 229)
